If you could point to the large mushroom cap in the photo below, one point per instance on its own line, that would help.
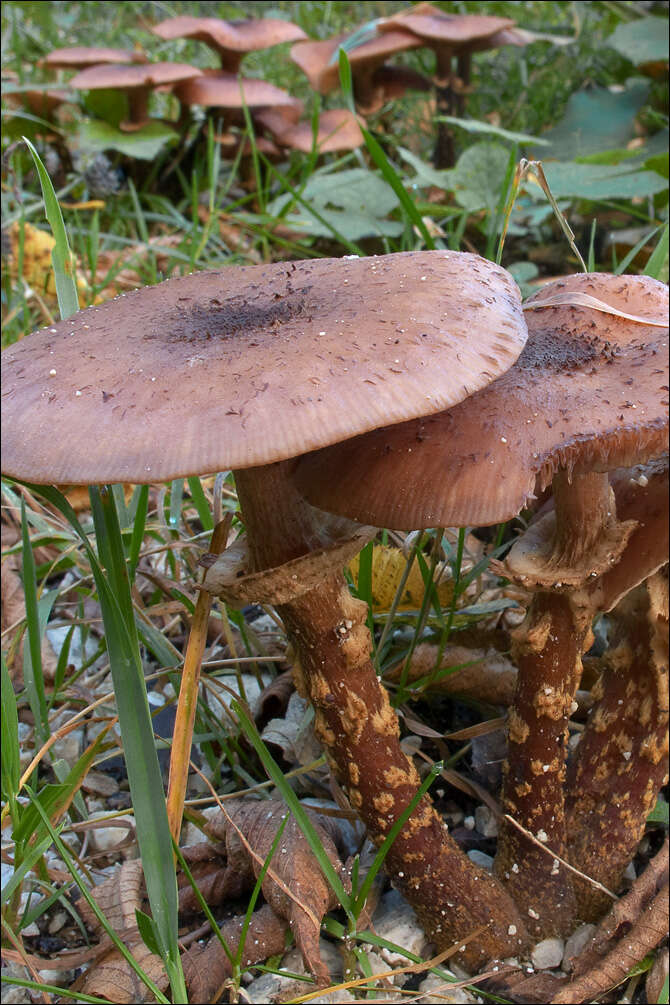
(226, 90)
(589, 391)
(130, 76)
(318, 61)
(251, 365)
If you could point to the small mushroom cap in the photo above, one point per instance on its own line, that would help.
(588, 392)
(251, 365)
(436, 27)
(236, 36)
(339, 129)
(227, 90)
(80, 56)
(137, 75)
(315, 59)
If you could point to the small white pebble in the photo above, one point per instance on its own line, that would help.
(52, 373)
(511, 930)
(533, 914)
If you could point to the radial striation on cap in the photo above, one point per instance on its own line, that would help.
(251, 365)
(588, 392)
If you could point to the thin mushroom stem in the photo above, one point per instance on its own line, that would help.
(359, 729)
(138, 104)
(547, 649)
(621, 760)
(584, 505)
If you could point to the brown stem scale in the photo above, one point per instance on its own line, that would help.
(359, 729)
(621, 761)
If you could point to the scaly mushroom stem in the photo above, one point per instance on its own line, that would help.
(560, 558)
(621, 761)
(359, 729)
(547, 650)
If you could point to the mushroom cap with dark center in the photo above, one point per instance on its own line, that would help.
(435, 27)
(80, 56)
(315, 59)
(588, 392)
(251, 365)
(131, 76)
(236, 36)
(227, 90)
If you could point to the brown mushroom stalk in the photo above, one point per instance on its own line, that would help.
(621, 760)
(359, 730)
(588, 394)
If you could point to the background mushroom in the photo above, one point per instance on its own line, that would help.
(319, 62)
(452, 36)
(252, 365)
(136, 81)
(79, 57)
(231, 40)
(587, 394)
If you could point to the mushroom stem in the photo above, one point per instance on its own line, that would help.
(621, 760)
(138, 104)
(547, 650)
(584, 505)
(359, 730)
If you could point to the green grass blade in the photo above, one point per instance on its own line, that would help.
(10, 766)
(32, 653)
(200, 502)
(146, 785)
(61, 257)
(65, 854)
(657, 262)
(387, 170)
(625, 262)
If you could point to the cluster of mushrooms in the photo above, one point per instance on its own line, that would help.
(275, 113)
(406, 391)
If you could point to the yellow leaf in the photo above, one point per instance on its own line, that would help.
(388, 566)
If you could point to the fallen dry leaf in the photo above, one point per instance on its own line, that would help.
(294, 885)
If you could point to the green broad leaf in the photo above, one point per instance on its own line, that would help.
(354, 202)
(96, 136)
(426, 174)
(596, 120)
(601, 181)
(61, 256)
(641, 41)
(474, 126)
(479, 176)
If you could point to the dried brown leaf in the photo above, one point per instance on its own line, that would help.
(113, 978)
(206, 968)
(294, 885)
(117, 897)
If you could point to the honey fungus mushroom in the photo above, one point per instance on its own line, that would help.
(587, 394)
(242, 369)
